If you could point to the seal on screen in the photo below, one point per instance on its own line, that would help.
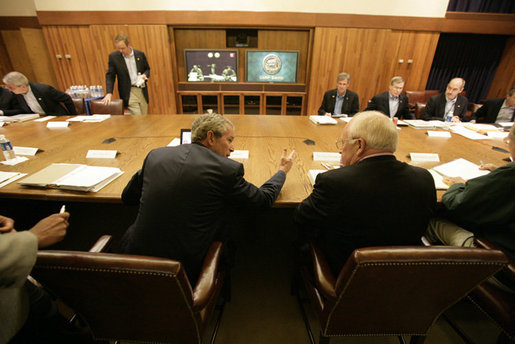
(185, 136)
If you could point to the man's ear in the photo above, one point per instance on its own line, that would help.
(210, 136)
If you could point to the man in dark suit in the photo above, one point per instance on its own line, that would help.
(340, 101)
(33, 97)
(373, 199)
(184, 192)
(8, 103)
(449, 105)
(497, 109)
(392, 103)
(133, 71)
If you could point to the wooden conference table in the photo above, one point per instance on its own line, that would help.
(262, 136)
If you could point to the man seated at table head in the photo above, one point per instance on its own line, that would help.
(33, 97)
(8, 103)
(184, 192)
(449, 105)
(497, 110)
(393, 103)
(373, 199)
(340, 101)
(482, 207)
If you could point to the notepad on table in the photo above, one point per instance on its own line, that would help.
(75, 177)
(322, 120)
(19, 118)
(438, 178)
(460, 168)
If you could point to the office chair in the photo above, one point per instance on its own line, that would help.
(114, 108)
(134, 298)
(79, 105)
(392, 291)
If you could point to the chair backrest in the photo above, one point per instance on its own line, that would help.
(114, 108)
(403, 290)
(123, 297)
(422, 97)
(79, 105)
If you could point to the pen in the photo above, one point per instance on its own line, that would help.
(325, 165)
(63, 209)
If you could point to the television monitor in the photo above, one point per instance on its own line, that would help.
(272, 66)
(185, 136)
(211, 65)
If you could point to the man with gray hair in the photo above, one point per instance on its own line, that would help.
(184, 192)
(449, 106)
(340, 101)
(133, 71)
(33, 97)
(393, 103)
(360, 204)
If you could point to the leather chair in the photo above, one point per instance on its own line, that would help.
(422, 97)
(79, 105)
(133, 298)
(393, 291)
(114, 108)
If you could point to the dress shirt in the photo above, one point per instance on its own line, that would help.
(130, 61)
(338, 104)
(449, 107)
(394, 104)
(506, 113)
(32, 102)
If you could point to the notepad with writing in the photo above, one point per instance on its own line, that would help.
(75, 177)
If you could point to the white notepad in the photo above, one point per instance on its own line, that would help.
(322, 120)
(460, 168)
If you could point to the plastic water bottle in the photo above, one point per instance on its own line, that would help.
(7, 148)
(448, 117)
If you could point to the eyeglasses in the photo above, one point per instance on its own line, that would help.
(339, 142)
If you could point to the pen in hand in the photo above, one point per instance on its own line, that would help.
(63, 209)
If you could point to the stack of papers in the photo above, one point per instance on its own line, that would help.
(326, 156)
(420, 124)
(8, 177)
(73, 177)
(460, 168)
(322, 120)
(312, 175)
(19, 118)
(438, 178)
(470, 134)
(89, 119)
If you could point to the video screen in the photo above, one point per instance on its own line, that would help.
(272, 66)
(211, 65)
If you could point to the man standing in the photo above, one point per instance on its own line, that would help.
(450, 104)
(340, 101)
(360, 204)
(497, 109)
(33, 97)
(392, 103)
(184, 192)
(133, 71)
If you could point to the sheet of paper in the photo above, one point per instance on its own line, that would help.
(438, 178)
(86, 176)
(89, 119)
(506, 124)
(175, 142)
(326, 156)
(101, 154)
(57, 124)
(31, 151)
(9, 177)
(346, 119)
(322, 120)
(14, 161)
(2, 124)
(423, 157)
(44, 119)
(497, 134)
(312, 175)
(239, 154)
(460, 168)
(401, 123)
(470, 134)
(431, 133)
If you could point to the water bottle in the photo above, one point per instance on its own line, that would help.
(448, 117)
(7, 148)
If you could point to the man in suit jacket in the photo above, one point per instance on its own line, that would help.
(184, 191)
(497, 109)
(27, 311)
(340, 101)
(33, 97)
(133, 71)
(8, 103)
(392, 103)
(359, 204)
(450, 103)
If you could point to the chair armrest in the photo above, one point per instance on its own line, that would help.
(102, 244)
(324, 277)
(207, 280)
(509, 270)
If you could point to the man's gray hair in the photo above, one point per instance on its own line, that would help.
(396, 79)
(122, 37)
(461, 79)
(214, 122)
(343, 76)
(15, 78)
(511, 91)
(376, 129)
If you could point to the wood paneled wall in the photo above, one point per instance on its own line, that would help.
(505, 76)
(371, 57)
(17, 52)
(39, 56)
(5, 61)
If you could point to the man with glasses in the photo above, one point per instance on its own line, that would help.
(393, 103)
(482, 206)
(450, 106)
(373, 199)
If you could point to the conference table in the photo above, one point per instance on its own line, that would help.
(263, 136)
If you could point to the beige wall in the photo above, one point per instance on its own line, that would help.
(414, 8)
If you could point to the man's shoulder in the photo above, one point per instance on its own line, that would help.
(381, 95)
(330, 92)
(437, 97)
(494, 101)
(352, 94)
(462, 99)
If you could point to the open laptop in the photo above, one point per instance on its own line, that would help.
(185, 136)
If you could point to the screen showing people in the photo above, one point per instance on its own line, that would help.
(211, 65)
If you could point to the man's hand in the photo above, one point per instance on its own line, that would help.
(453, 180)
(488, 167)
(456, 119)
(328, 114)
(6, 224)
(287, 160)
(107, 99)
(51, 229)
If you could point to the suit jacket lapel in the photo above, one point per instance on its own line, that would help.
(121, 60)
(39, 98)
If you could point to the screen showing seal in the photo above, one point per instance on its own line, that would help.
(185, 136)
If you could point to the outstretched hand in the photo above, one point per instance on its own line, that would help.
(287, 160)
